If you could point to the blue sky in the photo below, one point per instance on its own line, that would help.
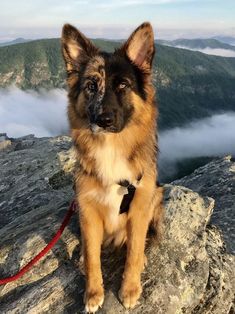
(115, 19)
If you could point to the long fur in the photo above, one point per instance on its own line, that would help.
(106, 158)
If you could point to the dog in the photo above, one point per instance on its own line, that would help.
(112, 115)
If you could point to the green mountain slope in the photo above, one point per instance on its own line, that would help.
(190, 84)
(196, 85)
(36, 64)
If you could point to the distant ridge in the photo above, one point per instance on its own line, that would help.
(226, 39)
(198, 43)
(14, 41)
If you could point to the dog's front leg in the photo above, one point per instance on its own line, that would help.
(139, 216)
(92, 236)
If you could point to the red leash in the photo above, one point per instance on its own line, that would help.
(47, 248)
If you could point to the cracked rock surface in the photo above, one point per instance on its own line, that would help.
(217, 180)
(189, 272)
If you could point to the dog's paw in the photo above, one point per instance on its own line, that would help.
(130, 293)
(93, 299)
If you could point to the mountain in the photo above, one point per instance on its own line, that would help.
(190, 85)
(198, 44)
(189, 272)
(226, 39)
(15, 41)
(36, 64)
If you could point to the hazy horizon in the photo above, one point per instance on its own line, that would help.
(166, 34)
(6, 40)
(209, 51)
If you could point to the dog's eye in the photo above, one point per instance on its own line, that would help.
(122, 85)
(91, 86)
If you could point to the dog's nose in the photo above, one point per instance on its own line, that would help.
(105, 119)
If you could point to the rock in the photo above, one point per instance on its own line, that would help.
(5, 144)
(4, 141)
(217, 180)
(189, 272)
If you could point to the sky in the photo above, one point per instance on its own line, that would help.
(116, 18)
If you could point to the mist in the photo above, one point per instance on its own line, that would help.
(28, 112)
(44, 114)
(212, 51)
(210, 137)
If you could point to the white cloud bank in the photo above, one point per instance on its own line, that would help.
(214, 136)
(44, 114)
(210, 137)
(212, 51)
(30, 112)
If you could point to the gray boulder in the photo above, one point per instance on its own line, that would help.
(217, 180)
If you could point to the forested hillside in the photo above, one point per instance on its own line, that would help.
(190, 84)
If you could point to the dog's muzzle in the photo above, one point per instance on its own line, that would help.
(105, 120)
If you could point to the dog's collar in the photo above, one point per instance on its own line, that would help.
(127, 198)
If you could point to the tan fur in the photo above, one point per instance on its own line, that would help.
(105, 160)
(99, 196)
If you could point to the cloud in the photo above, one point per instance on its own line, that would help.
(29, 112)
(210, 137)
(214, 136)
(212, 51)
(44, 114)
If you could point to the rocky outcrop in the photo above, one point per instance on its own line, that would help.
(189, 272)
(217, 180)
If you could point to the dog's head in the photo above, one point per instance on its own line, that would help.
(103, 86)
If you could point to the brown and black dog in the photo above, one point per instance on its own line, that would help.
(112, 114)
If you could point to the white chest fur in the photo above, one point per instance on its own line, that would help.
(111, 164)
(112, 167)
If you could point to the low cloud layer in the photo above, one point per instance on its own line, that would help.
(214, 136)
(212, 51)
(210, 137)
(44, 114)
(29, 112)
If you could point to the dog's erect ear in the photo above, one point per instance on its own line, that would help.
(77, 49)
(139, 47)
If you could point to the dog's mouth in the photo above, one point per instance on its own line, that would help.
(96, 129)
